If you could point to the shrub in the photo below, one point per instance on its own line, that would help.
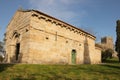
(1, 58)
(107, 54)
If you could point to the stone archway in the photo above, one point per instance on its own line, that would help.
(17, 52)
(15, 47)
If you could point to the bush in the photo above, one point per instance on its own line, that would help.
(107, 54)
(1, 58)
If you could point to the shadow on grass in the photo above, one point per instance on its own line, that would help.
(3, 67)
(14, 76)
(112, 61)
(111, 66)
(22, 78)
(52, 76)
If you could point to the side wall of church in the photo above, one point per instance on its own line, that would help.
(97, 56)
(50, 42)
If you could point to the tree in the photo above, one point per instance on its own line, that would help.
(1, 58)
(117, 44)
(107, 54)
(1, 52)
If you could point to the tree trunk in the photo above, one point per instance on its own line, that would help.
(119, 56)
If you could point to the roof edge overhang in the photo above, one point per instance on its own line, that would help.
(39, 12)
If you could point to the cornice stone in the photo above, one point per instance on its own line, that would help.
(53, 21)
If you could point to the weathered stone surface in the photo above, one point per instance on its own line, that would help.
(47, 40)
(107, 43)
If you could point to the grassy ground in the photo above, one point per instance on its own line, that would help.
(109, 71)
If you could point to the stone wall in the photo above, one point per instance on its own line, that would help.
(16, 33)
(97, 55)
(107, 43)
(53, 42)
(47, 40)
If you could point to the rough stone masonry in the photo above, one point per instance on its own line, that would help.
(37, 38)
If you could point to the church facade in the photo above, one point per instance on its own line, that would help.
(37, 38)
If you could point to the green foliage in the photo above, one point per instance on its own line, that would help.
(1, 58)
(59, 72)
(107, 54)
(117, 45)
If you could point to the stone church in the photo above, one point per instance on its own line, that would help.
(36, 38)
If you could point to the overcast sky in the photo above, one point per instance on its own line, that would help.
(97, 16)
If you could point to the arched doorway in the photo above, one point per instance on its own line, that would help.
(15, 47)
(73, 56)
(17, 52)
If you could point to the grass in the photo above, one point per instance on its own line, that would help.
(113, 60)
(109, 71)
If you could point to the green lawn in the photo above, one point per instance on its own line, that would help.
(109, 71)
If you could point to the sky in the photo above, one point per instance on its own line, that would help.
(95, 16)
